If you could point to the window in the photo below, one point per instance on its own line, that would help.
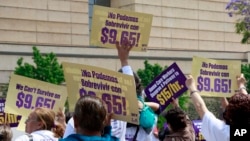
(96, 2)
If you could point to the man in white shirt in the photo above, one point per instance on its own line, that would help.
(214, 129)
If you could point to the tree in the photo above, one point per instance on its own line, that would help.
(245, 69)
(241, 9)
(148, 74)
(46, 68)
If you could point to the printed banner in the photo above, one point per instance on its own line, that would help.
(110, 25)
(197, 129)
(170, 83)
(25, 94)
(117, 90)
(11, 119)
(215, 78)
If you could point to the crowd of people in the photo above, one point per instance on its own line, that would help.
(90, 120)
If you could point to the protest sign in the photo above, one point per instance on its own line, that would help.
(117, 90)
(110, 25)
(8, 118)
(25, 94)
(197, 129)
(170, 83)
(216, 78)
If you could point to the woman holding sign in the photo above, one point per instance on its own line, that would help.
(40, 125)
(237, 112)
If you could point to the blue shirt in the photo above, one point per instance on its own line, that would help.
(81, 137)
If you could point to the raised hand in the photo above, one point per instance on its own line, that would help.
(175, 102)
(123, 51)
(190, 83)
(241, 81)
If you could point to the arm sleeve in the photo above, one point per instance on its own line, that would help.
(118, 128)
(213, 128)
(127, 70)
(70, 129)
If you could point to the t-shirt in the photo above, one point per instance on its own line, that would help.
(142, 135)
(80, 137)
(41, 135)
(214, 129)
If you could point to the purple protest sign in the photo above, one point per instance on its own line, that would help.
(170, 83)
(2, 103)
(11, 119)
(197, 129)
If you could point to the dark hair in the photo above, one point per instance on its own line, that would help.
(177, 119)
(138, 84)
(5, 132)
(90, 113)
(238, 110)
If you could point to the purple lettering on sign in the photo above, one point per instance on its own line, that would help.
(170, 83)
(11, 119)
(220, 85)
(216, 66)
(107, 99)
(86, 73)
(25, 101)
(19, 86)
(110, 36)
(197, 129)
(204, 65)
(111, 15)
(115, 104)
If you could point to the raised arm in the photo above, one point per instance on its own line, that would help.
(241, 81)
(123, 52)
(198, 102)
(223, 102)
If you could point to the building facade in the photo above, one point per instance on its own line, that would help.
(180, 30)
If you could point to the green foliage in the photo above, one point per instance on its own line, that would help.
(46, 68)
(240, 10)
(245, 69)
(148, 74)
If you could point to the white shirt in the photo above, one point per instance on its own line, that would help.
(41, 135)
(142, 134)
(214, 129)
(118, 127)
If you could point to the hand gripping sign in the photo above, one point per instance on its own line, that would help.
(25, 94)
(216, 78)
(117, 90)
(110, 25)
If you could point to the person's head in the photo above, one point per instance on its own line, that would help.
(89, 115)
(238, 110)
(176, 119)
(138, 84)
(43, 119)
(5, 132)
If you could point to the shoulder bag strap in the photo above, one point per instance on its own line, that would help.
(136, 133)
